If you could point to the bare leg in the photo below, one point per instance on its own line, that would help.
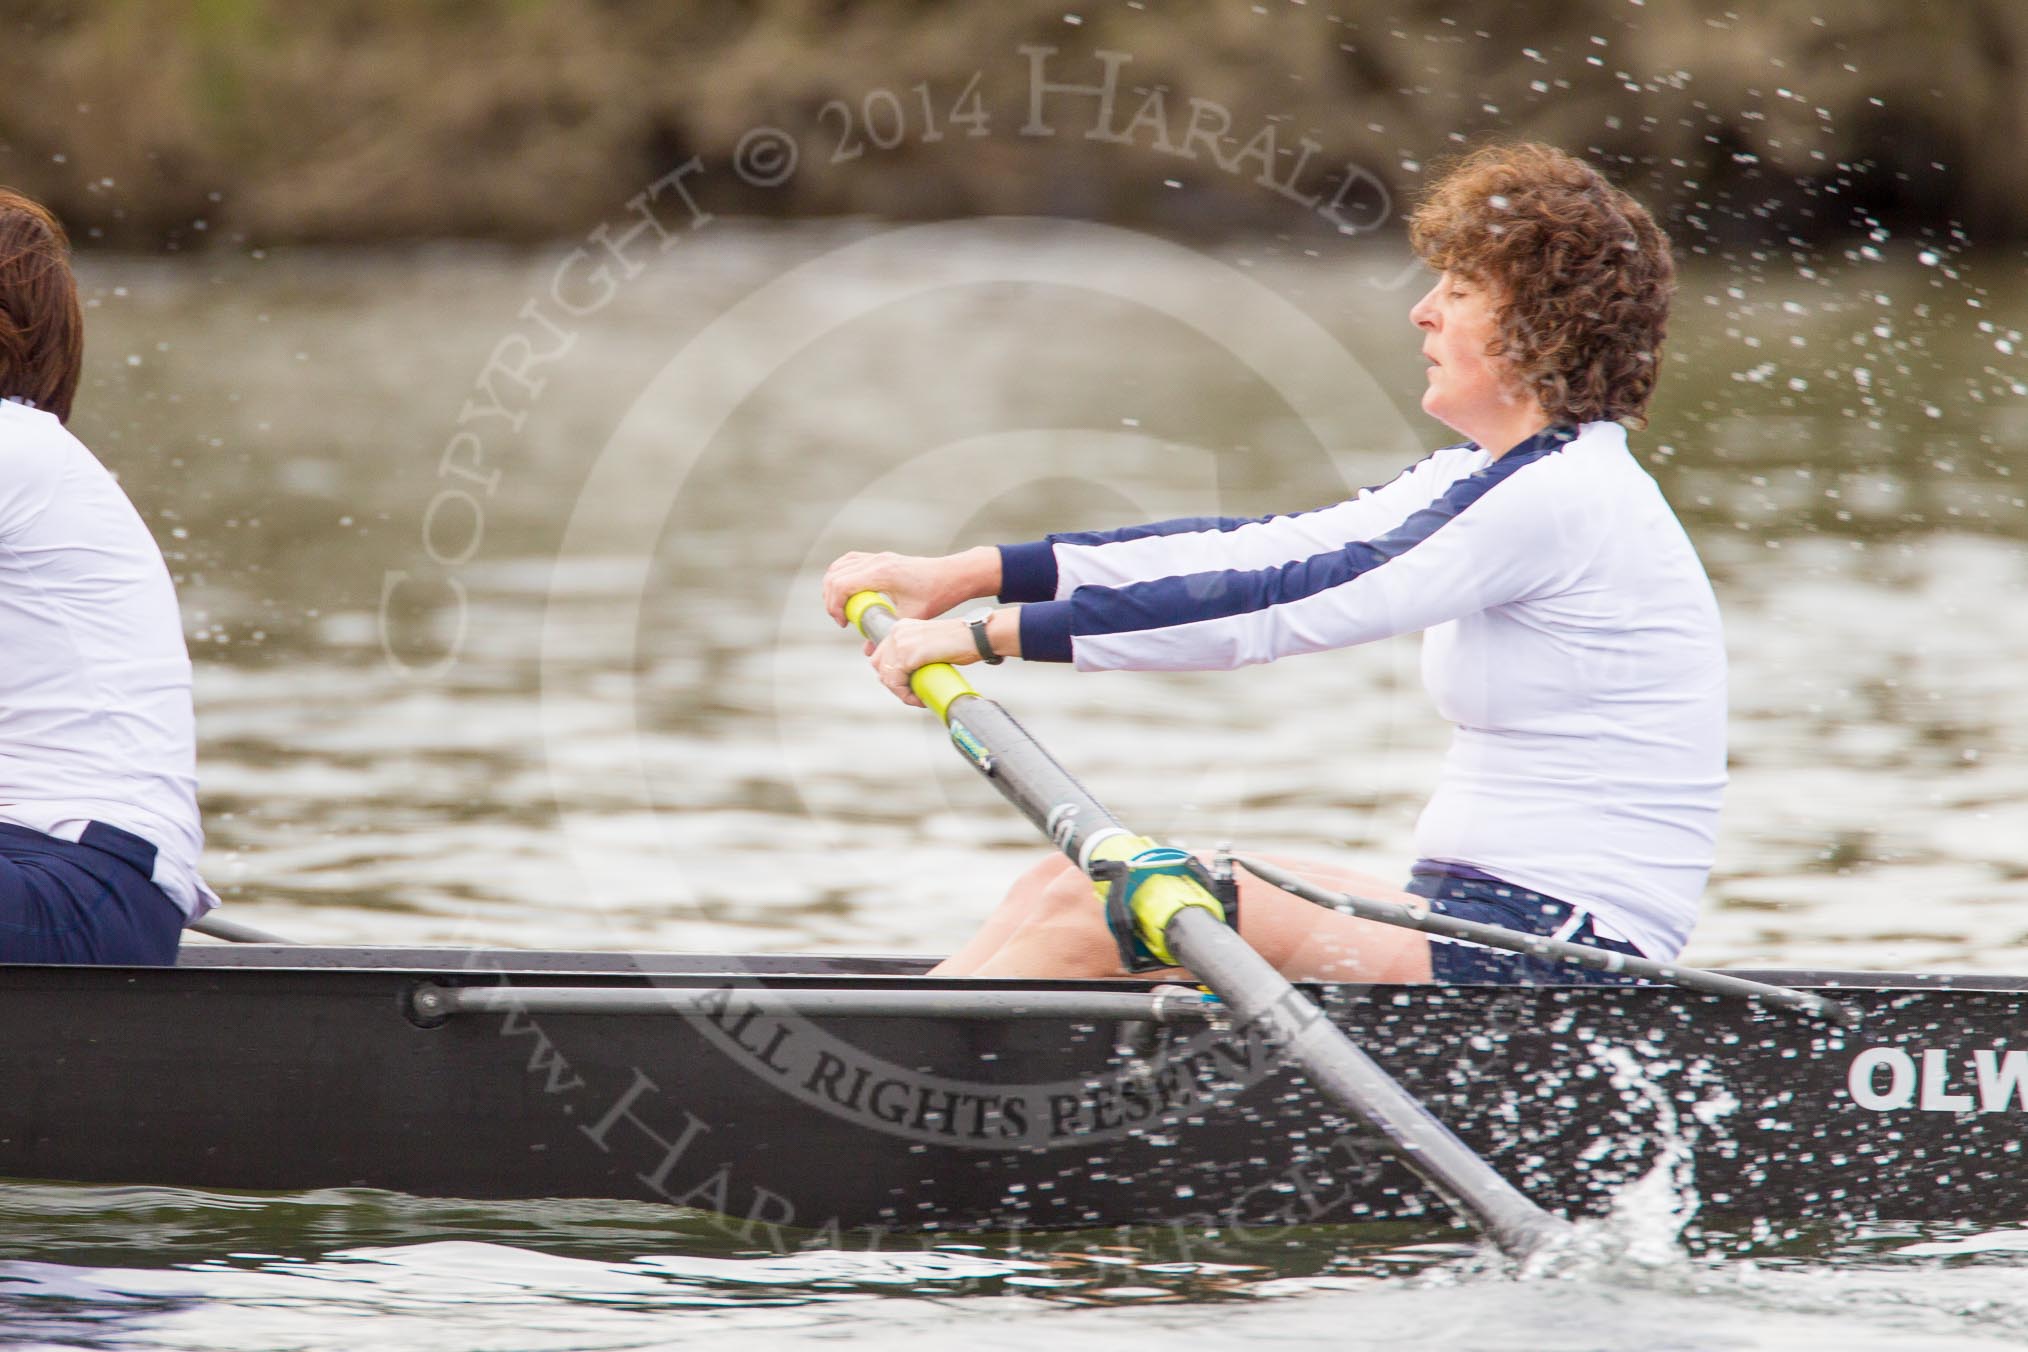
(1011, 914)
(1050, 925)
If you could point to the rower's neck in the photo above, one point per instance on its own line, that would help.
(1514, 432)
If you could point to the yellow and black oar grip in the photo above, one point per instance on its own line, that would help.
(872, 614)
(1164, 888)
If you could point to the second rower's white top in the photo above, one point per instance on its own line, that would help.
(95, 709)
(1571, 636)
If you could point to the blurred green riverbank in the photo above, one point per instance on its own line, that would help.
(241, 123)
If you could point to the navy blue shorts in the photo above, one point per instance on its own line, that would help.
(1468, 894)
(85, 902)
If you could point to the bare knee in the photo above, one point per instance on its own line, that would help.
(1046, 870)
(1032, 887)
(1060, 910)
(1059, 931)
(1065, 895)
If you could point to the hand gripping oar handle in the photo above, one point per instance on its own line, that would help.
(1179, 919)
(937, 684)
(1030, 778)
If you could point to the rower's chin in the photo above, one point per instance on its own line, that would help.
(1437, 403)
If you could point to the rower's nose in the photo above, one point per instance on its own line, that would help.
(1423, 314)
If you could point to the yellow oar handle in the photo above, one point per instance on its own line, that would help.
(872, 614)
(856, 606)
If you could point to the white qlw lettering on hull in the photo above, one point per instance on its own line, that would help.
(1887, 1079)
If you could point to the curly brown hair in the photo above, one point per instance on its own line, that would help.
(1582, 272)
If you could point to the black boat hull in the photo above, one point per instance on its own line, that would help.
(285, 1069)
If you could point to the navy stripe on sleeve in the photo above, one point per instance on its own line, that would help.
(1182, 525)
(1172, 601)
(1045, 632)
(1028, 572)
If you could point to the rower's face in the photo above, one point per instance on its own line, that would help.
(1465, 387)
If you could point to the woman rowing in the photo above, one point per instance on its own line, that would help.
(1570, 631)
(99, 834)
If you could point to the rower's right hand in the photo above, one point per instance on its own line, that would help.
(919, 587)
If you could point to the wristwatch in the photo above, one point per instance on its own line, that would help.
(977, 624)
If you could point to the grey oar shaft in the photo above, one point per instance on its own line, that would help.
(1542, 946)
(232, 931)
(1049, 796)
(1260, 996)
(1030, 778)
(1026, 775)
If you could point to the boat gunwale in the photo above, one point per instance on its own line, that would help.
(549, 965)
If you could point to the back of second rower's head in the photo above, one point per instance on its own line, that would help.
(41, 326)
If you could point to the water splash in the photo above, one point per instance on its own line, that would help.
(1642, 1231)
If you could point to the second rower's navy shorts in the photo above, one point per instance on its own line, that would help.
(90, 901)
(1468, 894)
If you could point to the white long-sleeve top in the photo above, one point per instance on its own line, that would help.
(1570, 634)
(95, 711)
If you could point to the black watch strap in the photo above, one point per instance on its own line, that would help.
(977, 624)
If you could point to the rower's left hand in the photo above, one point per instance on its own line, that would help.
(913, 644)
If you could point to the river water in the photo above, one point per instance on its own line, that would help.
(503, 605)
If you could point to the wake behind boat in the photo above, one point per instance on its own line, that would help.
(854, 1093)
